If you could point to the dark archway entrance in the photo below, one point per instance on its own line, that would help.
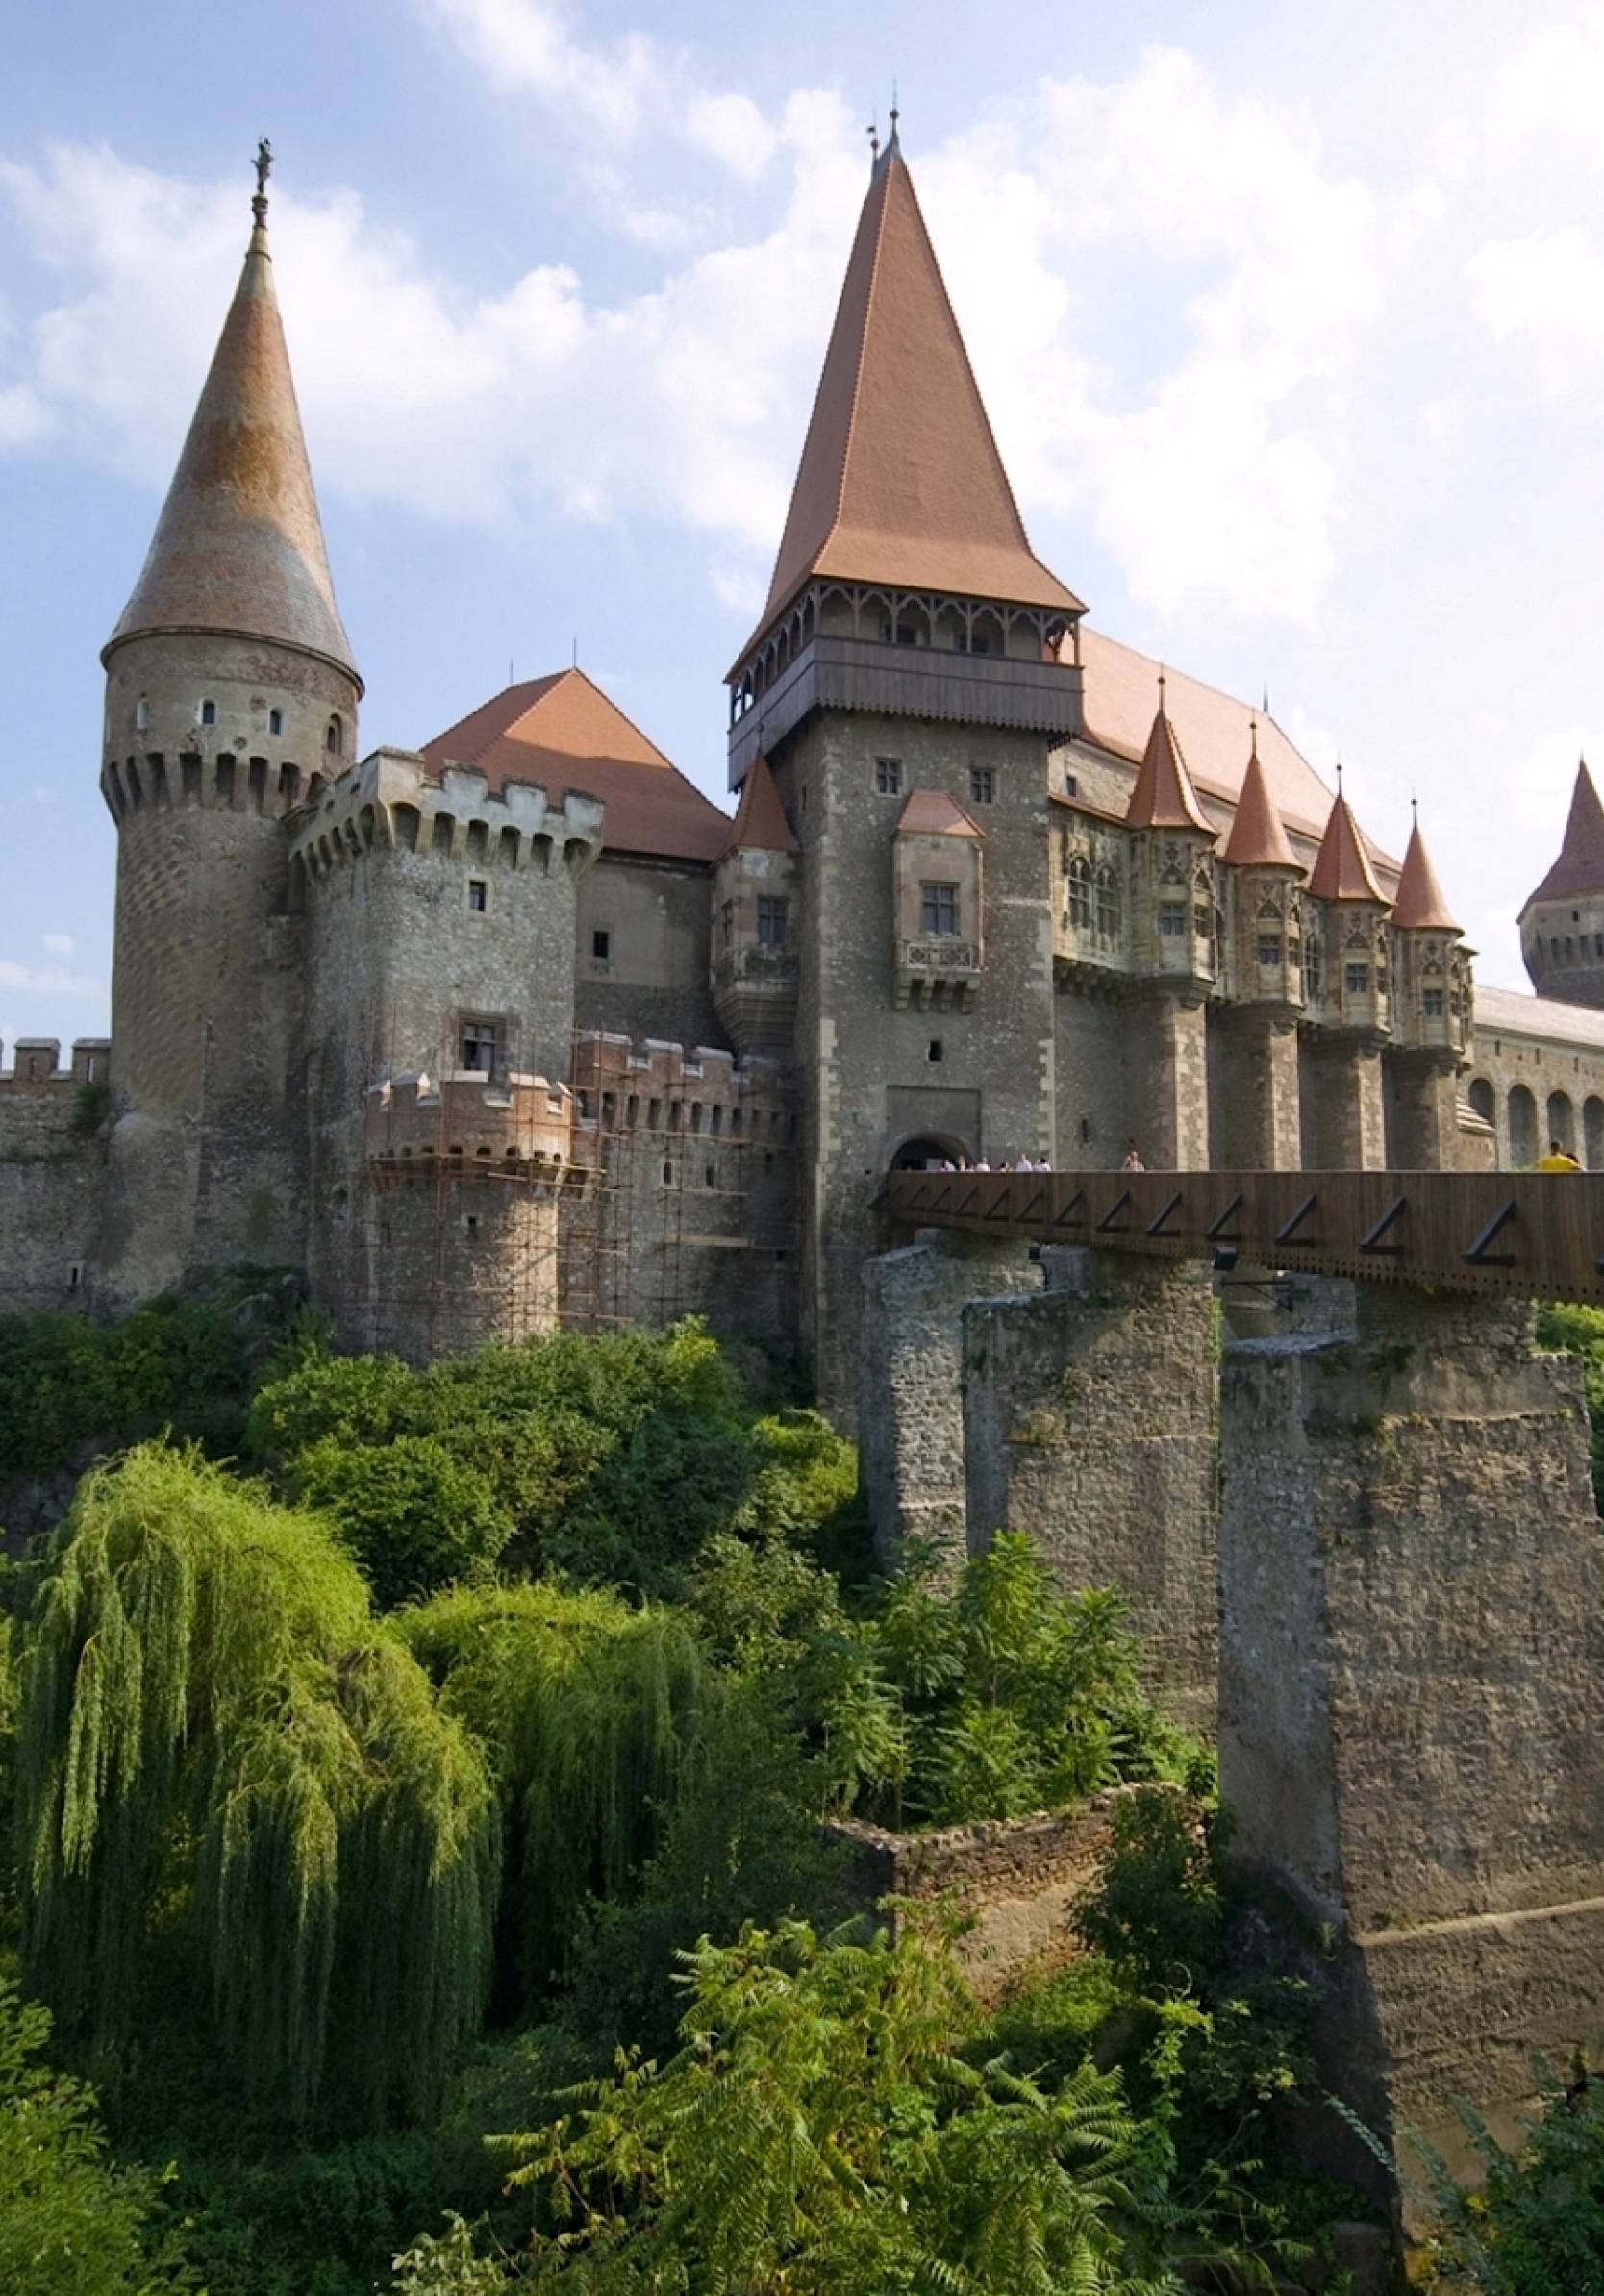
(928, 1152)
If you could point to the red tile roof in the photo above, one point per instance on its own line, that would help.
(1342, 870)
(563, 732)
(900, 479)
(1420, 906)
(760, 822)
(1257, 839)
(933, 813)
(238, 547)
(1164, 797)
(1580, 867)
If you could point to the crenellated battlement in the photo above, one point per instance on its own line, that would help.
(392, 803)
(466, 1125)
(656, 1086)
(35, 1064)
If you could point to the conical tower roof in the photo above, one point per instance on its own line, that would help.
(1257, 839)
(238, 548)
(900, 479)
(759, 824)
(1580, 867)
(1342, 870)
(1420, 906)
(1164, 797)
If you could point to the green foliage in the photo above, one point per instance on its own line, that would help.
(1535, 2224)
(415, 1516)
(185, 1361)
(1579, 1331)
(89, 1106)
(69, 2219)
(817, 2134)
(586, 1709)
(807, 1474)
(353, 1399)
(217, 1748)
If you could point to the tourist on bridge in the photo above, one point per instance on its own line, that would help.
(1133, 1159)
(1558, 1159)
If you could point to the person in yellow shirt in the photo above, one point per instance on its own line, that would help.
(1558, 1159)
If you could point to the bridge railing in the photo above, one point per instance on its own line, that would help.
(1529, 1234)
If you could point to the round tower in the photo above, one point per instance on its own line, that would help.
(231, 695)
(1562, 924)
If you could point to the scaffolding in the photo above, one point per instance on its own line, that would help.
(655, 1183)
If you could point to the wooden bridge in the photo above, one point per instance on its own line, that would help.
(1523, 1236)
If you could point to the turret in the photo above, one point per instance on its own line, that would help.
(1431, 1016)
(1348, 986)
(1263, 902)
(1173, 876)
(756, 890)
(231, 692)
(1562, 923)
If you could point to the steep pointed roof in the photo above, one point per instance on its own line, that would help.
(562, 732)
(1164, 797)
(238, 547)
(1580, 867)
(760, 822)
(1342, 870)
(900, 479)
(933, 813)
(1420, 906)
(1258, 841)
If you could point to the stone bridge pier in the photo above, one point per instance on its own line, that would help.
(1412, 1668)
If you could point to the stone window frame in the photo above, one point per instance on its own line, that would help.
(1355, 978)
(773, 920)
(1432, 1004)
(888, 777)
(1110, 899)
(1270, 952)
(482, 1029)
(476, 896)
(941, 908)
(983, 785)
(1078, 892)
(1172, 920)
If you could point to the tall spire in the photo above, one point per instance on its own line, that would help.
(900, 479)
(1420, 907)
(1257, 839)
(1342, 870)
(1164, 797)
(1580, 867)
(238, 548)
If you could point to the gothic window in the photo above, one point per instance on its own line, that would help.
(937, 908)
(480, 1043)
(1172, 919)
(983, 783)
(1311, 968)
(771, 921)
(727, 922)
(208, 714)
(1202, 921)
(1267, 908)
(1269, 950)
(888, 777)
(333, 741)
(1080, 893)
(1107, 903)
(1431, 1003)
(1355, 978)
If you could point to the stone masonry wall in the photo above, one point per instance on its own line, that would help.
(1089, 1422)
(51, 1178)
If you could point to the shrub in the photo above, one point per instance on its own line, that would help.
(414, 1517)
(1535, 2223)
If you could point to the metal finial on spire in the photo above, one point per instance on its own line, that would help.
(1161, 683)
(874, 141)
(1415, 807)
(264, 169)
(1265, 708)
(1339, 777)
(1253, 733)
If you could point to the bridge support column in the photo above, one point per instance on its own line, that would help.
(1089, 1421)
(911, 1413)
(1166, 1083)
(1412, 1644)
(1263, 1119)
(1425, 1129)
(1350, 1114)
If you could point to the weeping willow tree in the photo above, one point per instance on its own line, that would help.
(590, 1711)
(221, 1752)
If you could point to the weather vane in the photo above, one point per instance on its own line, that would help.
(264, 169)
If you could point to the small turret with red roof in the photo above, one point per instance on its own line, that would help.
(1430, 1008)
(1172, 868)
(1264, 879)
(1348, 975)
(1562, 924)
(756, 896)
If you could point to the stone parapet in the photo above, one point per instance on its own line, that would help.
(467, 1123)
(36, 1064)
(391, 802)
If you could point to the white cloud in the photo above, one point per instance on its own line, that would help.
(57, 944)
(48, 979)
(1554, 84)
(1544, 292)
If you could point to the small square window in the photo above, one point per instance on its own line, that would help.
(983, 783)
(479, 1042)
(1431, 1003)
(938, 908)
(478, 893)
(1172, 919)
(1357, 979)
(888, 777)
(936, 1050)
(1269, 949)
(601, 942)
(771, 921)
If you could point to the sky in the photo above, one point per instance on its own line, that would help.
(1289, 321)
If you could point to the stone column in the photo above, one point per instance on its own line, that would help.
(911, 1413)
(1263, 1121)
(1425, 1131)
(1411, 1653)
(1350, 1120)
(1089, 1421)
(1167, 1082)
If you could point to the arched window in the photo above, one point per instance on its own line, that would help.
(1523, 1126)
(1592, 1133)
(208, 714)
(1109, 904)
(1080, 893)
(1561, 1121)
(141, 714)
(333, 741)
(275, 722)
(1482, 1100)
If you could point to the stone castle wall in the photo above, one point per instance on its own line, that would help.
(52, 1173)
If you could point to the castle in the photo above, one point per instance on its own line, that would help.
(519, 1029)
